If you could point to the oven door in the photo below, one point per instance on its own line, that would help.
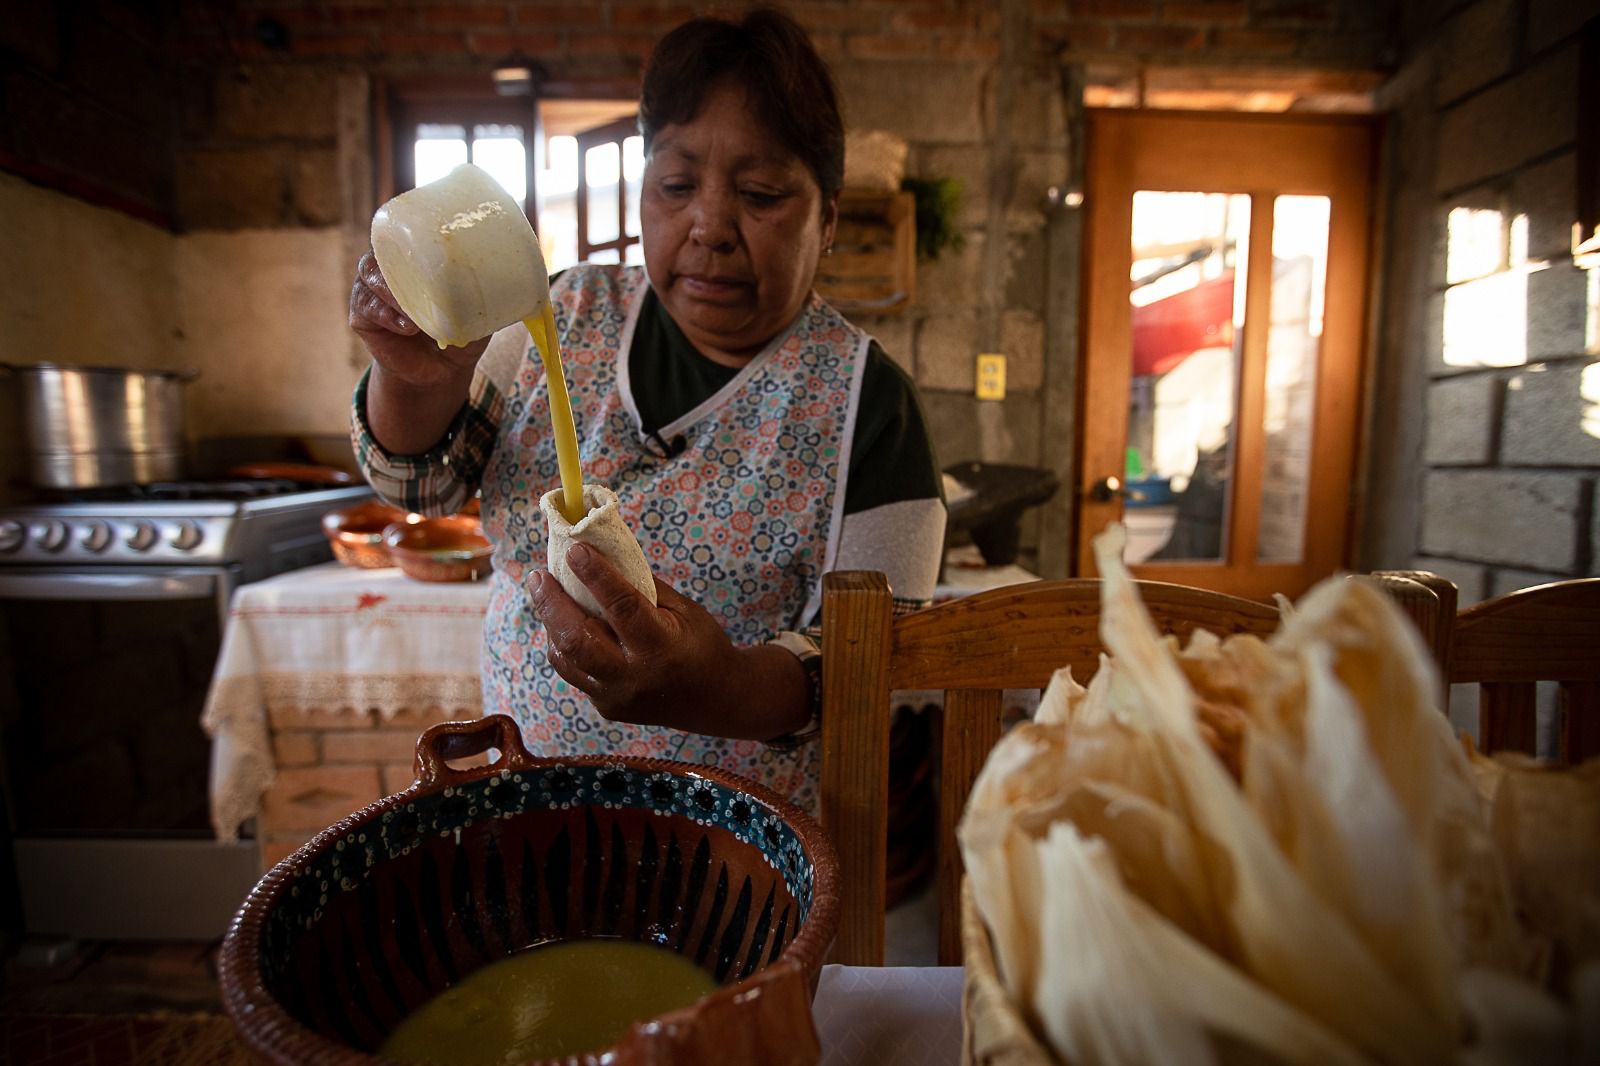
(103, 677)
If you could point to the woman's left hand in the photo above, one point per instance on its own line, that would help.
(669, 664)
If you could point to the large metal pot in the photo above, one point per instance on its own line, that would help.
(97, 425)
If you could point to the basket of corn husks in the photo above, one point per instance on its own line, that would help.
(1274, 851)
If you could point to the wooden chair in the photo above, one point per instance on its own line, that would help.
(1507, 644)
(972, 649)
(1429, 600)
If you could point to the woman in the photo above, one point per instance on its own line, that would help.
(755, 438)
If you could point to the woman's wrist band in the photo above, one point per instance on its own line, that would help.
(810, 656)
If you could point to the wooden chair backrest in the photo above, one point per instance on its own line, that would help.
(973, 649)
(1508, 644)
(1430, 602)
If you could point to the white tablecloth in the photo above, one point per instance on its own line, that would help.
(889, 1015)
(333, 637)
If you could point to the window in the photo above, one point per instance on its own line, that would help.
(582, 160)
(589, 182)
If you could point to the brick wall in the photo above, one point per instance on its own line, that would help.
(85, 95)
(333, 763)
(1495, 483)
(1285, 33)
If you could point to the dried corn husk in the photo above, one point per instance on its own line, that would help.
(1224, 853)
(1150, 994)
(1545, 822)
(1280, 924)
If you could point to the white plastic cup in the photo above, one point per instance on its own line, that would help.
(460, 257)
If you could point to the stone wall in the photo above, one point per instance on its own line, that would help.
(113, 260)
(1484, 448)
(1491, 453)
(78, 284)
(256, 125)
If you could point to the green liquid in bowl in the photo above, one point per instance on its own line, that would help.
(551, 1001)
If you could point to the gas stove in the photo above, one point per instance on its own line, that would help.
(248, 523)
(113, 607)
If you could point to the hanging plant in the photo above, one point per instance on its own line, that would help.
(938, 199)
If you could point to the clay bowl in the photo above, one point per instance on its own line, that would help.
(342, 939)
(440, 549)
(356, 533)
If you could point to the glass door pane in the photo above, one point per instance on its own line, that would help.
(1219, 411)
(1187, 290)
(1294, 342)
(608, 191)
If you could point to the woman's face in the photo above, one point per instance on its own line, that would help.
(733, 223)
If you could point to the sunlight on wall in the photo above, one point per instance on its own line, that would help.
(1486, 304)
(1591, 318)
(1486, 321)
(1589, 393)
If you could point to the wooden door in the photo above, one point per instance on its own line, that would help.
(1226, 267)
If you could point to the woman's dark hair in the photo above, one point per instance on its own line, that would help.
(769, 56)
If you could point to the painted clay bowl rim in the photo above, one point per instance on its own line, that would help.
(275, 1036)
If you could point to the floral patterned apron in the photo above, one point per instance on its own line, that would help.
(744, 520)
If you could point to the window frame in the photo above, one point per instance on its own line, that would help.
(468, 102)
(611, 133)
(403, 104)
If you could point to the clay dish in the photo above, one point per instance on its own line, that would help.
(381, 911)
(440, 549)
(356, 533)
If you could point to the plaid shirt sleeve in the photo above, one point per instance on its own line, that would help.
(442, 479)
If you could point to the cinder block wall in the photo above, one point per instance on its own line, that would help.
(1493, 451)
(251, 131)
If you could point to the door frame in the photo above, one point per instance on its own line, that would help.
(1199, 143)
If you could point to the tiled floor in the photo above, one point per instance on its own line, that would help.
(911, 929)
(109, 1004)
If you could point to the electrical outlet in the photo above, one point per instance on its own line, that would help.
(991, 376)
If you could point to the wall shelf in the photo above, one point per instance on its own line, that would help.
(873, 268)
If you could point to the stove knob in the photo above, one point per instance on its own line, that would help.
(52, 536)
(186, 535)
(97, 537)
(12, 534)
(143, 537)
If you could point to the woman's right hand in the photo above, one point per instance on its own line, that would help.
(395, 342)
